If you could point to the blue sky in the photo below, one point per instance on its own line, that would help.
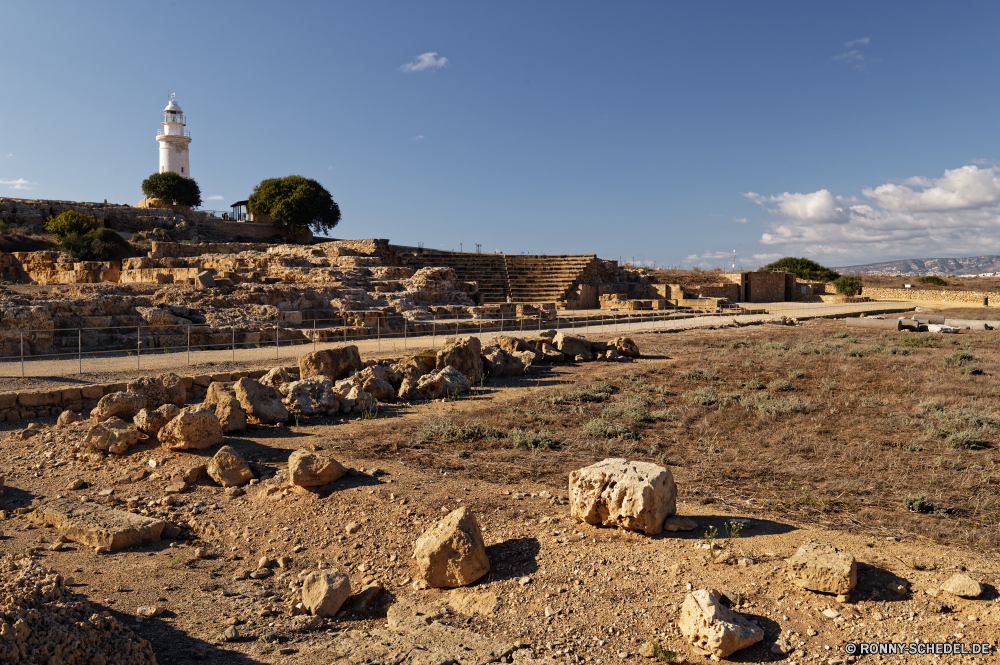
(665, 131)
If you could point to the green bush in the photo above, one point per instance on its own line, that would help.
(802, 268)
(96, 245)
(602, 429)
(295, 203)
(442, 431)
(848, 285)
(71, 222)
(533, 441)
(700, 375)
(933, 280)
(921, 504)
(173, 188)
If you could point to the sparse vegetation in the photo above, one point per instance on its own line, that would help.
(932, 280)
(71, 222)
(803, 268)
(848, 285)
(599, 428)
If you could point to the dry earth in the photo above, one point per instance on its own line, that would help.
(865, 421)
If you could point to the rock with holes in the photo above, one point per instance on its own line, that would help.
(307, 469)
(713, 628)
(67, 418)
(451, 553)
(150, 422)
(151, 388)
(221, 398)
(311, 397)
(228, 469)
(174, 390)
(499, 362)
(123, 405)
(375, 381)
(261, 403)
(464, 354)
(193, 428)
(616, 492)
(113, 435)
(333, 363)
(572, 345)
(624, 346)
(447, 382)
(821, 567)
(277, 377)
(516, 345)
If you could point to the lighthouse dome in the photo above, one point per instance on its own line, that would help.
(173, 106)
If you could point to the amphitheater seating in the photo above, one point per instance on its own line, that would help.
(527, 278)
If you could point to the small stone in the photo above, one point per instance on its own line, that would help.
(811, 632)
(232, 621)
(352, 527)
(843, 598)
(261, 574)
(76, 484)
(781, 646)
(102, 549)
(831, 613)
(55, 547)
(175, 487)
(149, 611)
(524, 581)
(265, 562)
(647, 650)
(549, 611)
(200, 552)
(106, 492)
(231, 634)
(284, 562)
(963, 586)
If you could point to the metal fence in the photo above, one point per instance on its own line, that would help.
(143, 347)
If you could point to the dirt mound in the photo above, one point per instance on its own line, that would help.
(42, 621)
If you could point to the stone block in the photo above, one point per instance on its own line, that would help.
(39, 399)
(617, 492)
(7, 400)
(820, 567)
(204, 380)
(71, 395)
(97, 526)
(221, 378)
(115, 388)
(92, 392)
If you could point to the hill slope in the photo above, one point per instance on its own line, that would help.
(956, 266)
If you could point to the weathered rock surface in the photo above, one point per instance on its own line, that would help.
(311, 397)
(324, 591)
(375, 381)
(261, 403)
(151, 422)
(499, 362)
(333, 363)
(572, 345)
(712, 627)
(625, 346)
(113, 435)
(174, 390)
(277, 376)
(67, 418)
(452, 553)
(124, 405)
(228, 469)
(516, 345)
(464, 354)
(551, 355)
(820, 567)
(97, 526)
(963, 586)
(307, 469)
(192, 428)
(442, 382)
(616, 492)
(151, 388)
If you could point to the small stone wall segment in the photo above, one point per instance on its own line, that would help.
(972, 297)
(50, 403)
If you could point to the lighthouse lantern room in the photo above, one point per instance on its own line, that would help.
(174, 140)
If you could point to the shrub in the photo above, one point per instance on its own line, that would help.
(533, 441)
(932, 280)
(921, 504)
(442, 431)
(803, 268)
(700, 375)
(959, 358)
(970, 439)
(752, 384)
(775, 406)
(916, 341)
(780, 385)
(602, 429)
(633, 413)
(173, 188)
(705, 396)
(848, 285)
(971, 369)
(71, 222)
(97, 245)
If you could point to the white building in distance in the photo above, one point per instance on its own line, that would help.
(174, 141)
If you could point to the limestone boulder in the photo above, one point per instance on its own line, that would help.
(173, 388)
(713, 628)
(446, 382)
(151, 421)
(616, 492)
(516, 345)
(228, 469)
(333, 363)
(499, 362)
(113, 435)
(221, 399)
(398, 372)
(311, 397)
(151, 388)
(375, 381)
(324, 592)
(625, 347)
(307, 469)
(452, 553)
(464, 354)
(353, 398)
(67, 418)
(572, 345)
(193, 428)
(820, 567)
(963, 586)
(408, 390)
(261, 403)
(122, 405)
(552, 355)
(276, 377)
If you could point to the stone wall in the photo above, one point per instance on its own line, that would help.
(971, 297)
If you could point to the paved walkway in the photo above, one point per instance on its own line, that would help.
(580, 322)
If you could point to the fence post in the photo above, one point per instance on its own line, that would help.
(378, 334)
(22, 353)
(314, 335)
(434, 334)
(404, 333)
(345, 330)
(138, 345)
(276, 344)
(234, 343)
(189, 344)
(79, 347)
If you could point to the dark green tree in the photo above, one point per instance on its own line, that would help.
(69, 222)
(172, 188)
(848, 285)
(295, 203)
(803, 268)
(97, 245)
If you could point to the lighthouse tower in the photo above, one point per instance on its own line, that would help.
(174, 141)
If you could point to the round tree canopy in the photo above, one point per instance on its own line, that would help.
(295, 203)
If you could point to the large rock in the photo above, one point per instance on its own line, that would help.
(963, 586)
(353, 398)
(452, 553)
(714, 628)
(97, 526)
(499, 362)
(375, 381)
(221, 398)
(442, 382)
(276, 377)
(464, 354)
(551, 355)
(113, 435)
(617, 492)
(820, 567)
(151, 388)
(624, 346)
(307, 469)
(124, 405)
(228, 469)
(311, 397)
(333, 363)
(261, 403)
(516, 345)
(324, 591)
(572, 345)
(150, 422)
(174, 389)
(399, 372)
(192, 428)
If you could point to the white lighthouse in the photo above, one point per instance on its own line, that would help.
(174, 141)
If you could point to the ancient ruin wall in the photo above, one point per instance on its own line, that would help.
(972, 297)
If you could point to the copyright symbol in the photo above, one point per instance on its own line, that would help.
(850, 648)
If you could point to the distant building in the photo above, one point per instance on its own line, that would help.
(174, 141)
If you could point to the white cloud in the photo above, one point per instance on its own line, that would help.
(425, 62)
(216, 197)
(20, 183)
(418, 137)
(953, 215)
(854, 55)
(739, 220)
(10, 154)
(864, 41)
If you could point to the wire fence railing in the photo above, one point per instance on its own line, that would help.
(168, 347)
